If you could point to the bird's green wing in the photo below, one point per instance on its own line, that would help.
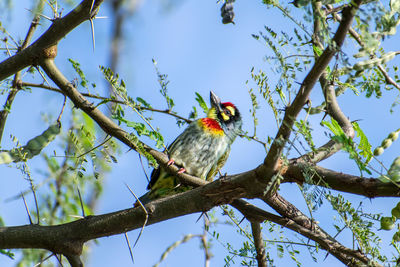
(221, 162)
(155, 174)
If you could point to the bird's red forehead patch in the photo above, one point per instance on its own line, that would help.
(226, 104)
(211, 125)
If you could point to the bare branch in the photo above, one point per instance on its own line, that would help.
(259, 244)
(207, 254)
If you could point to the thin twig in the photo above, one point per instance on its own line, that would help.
(59, 260)
(54, 89)
(43, 77)
(96, 147)
(62, 109)
(41, 15)
(207, 255)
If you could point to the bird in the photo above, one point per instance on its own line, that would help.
(200, 150)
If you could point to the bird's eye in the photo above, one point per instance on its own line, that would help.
(227, 112)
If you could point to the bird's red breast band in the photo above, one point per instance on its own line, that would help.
(211, 125)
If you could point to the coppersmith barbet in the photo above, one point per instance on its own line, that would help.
(201, 150)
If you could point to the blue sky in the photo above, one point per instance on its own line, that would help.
(199, 54)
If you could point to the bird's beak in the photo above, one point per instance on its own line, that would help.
(215, 101)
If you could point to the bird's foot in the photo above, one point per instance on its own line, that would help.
(181, 170)
(170, 162)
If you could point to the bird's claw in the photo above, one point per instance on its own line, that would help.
(181, 170)
(170, 162)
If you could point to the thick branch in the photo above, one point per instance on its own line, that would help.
(58, 30)
(328, 89)
(369, 187)
(69, 238)
(74, 260)
(347, 256)
(294, 109)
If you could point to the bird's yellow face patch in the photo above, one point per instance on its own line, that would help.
(228, 113)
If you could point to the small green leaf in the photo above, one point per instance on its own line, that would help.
(78, 70)
(143, 102)
(201, 102)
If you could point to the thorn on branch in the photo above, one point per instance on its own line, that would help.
(81, 202)
(27, 209)
(129, 246)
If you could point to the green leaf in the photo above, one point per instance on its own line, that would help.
(7, 253)
(201, 102)
(364, 144)
(143, 102)
(317, 50)
(349, 145)
(78, 70)
(334, 127)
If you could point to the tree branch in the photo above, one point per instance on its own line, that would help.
(357, 37)
(293, 219)
(259, 244)
(43, 47)
(68, 238)
(294, 109)
(15, 85)
(347, 256)
(74, 260)
(369, 187)
(109, 99)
